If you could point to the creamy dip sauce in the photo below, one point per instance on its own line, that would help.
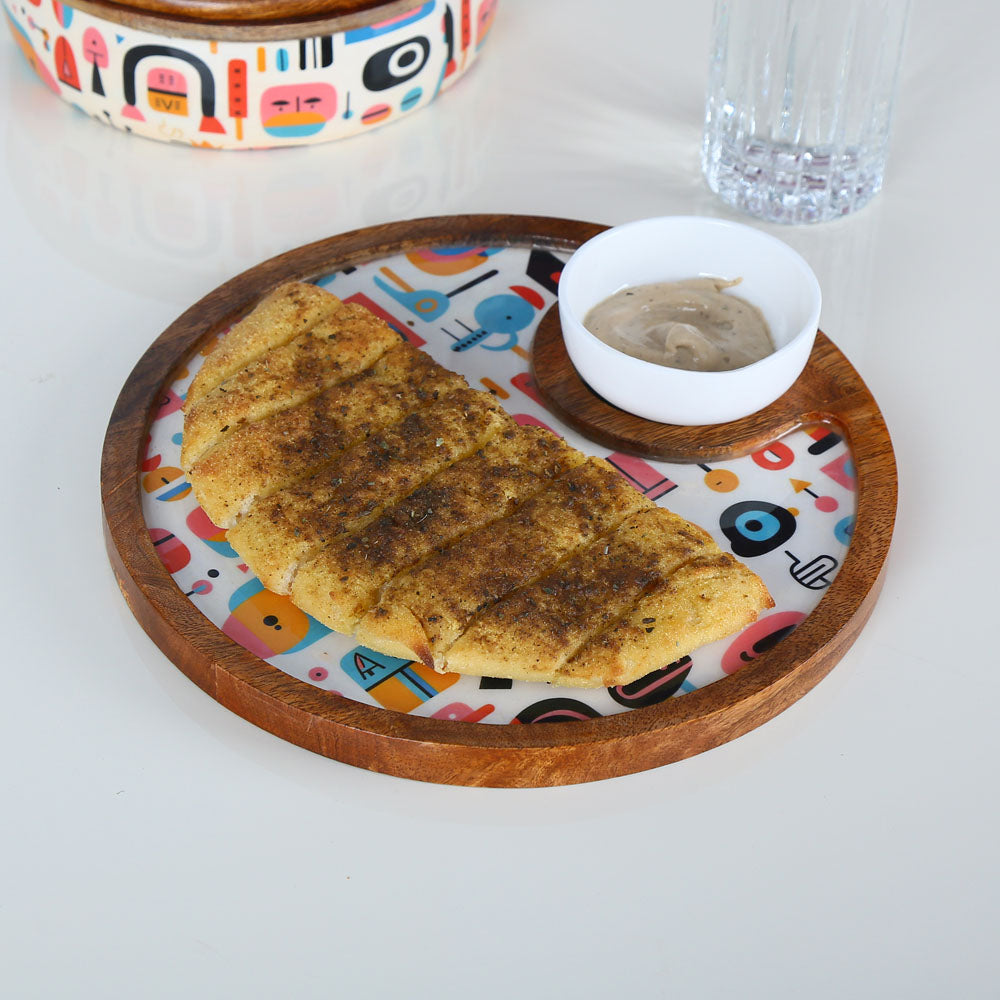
(689, 324)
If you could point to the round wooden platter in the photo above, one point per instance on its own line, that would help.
(476, 753)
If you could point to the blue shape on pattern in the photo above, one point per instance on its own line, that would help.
(316, 631)
(410, 99)
(174, 492)
(374, 30)
(294, 131)
(244, 593)
(425, 302)
(461, 251)
(369, 669)
(758, 525)
(503, 314)
(844, 530)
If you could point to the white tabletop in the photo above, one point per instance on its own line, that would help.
(156, 845)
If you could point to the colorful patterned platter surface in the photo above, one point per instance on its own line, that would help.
(260, 92)
(788, 510)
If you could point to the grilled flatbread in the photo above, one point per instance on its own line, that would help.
(290, 310)
(267, 455)
(422, 613)
(393, 502)
(539, 627)
(342, 344)
(343, 580)
(706, 599)
(281, 530)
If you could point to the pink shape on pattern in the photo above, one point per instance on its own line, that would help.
(841, 470)
(458, 711)
(238, 632)
(526, 383)
(527, 420)
(758, 638)
(169, 403)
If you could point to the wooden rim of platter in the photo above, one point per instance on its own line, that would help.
(259, 20)
(463, 753)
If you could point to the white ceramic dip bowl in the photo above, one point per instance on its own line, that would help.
(674, 248)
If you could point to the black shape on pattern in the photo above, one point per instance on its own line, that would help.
(134, 56)
(766, 642)
(545, 268)
(495, 683)
(825, 443)
(556, 710)
(755, 527)
(316, 50)
(449, 34)
(654, 687)
(814, 574)
(392, 66)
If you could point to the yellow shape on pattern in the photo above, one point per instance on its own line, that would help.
(170, 104)
(395, 694)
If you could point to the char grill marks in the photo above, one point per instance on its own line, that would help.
(342, 344)
(290, 310)
(421, 613)
(281, 530)
(342, 581)
(268, 455)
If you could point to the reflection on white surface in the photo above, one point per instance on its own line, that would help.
(139, 214)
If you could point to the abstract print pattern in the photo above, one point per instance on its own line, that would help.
(250, 94)
(786, 510)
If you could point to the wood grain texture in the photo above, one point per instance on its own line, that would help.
(458, 752)
(826, 391)
(247, 20)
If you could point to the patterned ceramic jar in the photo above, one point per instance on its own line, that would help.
(230, 79)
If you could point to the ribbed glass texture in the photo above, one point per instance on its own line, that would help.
(799, 104)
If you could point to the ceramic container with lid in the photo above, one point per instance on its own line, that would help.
(245, 74)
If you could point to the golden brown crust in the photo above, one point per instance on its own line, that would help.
(706, 599)
(264, 456)
(446, 591)
(537, 628)
(290, 310)
(339, 346)
(348, 574)
(281, 530)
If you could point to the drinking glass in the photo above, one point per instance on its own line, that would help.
(799, 105)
